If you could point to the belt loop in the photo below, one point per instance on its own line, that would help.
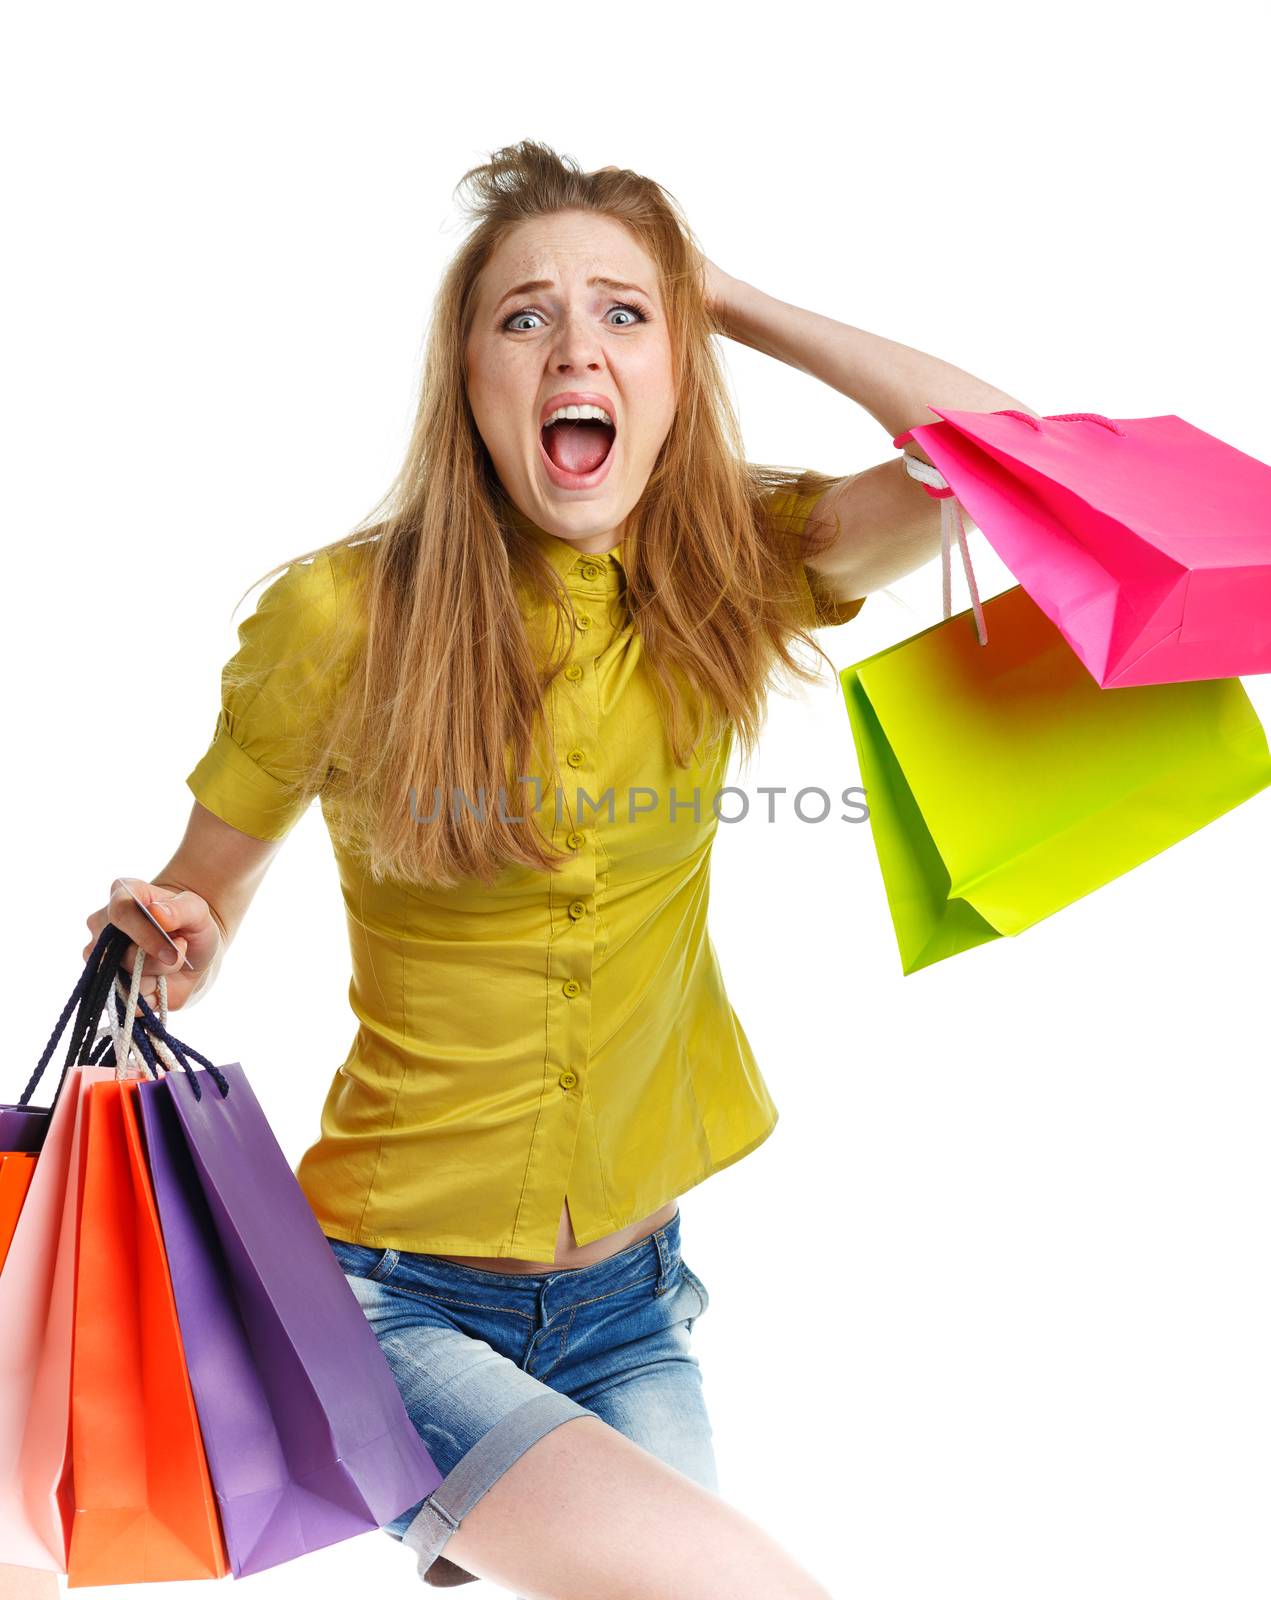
(664, 1259)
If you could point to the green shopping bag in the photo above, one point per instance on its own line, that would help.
(1003, 783)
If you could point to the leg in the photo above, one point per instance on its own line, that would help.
(623, 1505)
(542, 1494)
(473, 1405)
(644, 1379)
(586, 1512)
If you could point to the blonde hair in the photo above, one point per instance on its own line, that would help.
(444, 690)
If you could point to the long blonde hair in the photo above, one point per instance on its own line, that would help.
(444, 691)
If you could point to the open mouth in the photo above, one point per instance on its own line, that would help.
(578, 448)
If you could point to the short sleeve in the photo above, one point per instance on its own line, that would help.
(789, 510)
(275, 692)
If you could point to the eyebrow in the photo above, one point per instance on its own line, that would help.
(547, 283)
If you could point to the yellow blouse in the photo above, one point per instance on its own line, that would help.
(556, 1036)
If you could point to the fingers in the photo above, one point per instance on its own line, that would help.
(124, 912)
(169, 912)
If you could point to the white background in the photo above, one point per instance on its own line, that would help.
(989, 1311)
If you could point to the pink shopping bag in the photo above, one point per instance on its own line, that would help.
(37, 1290)
(1146, 541)
(37, 1287)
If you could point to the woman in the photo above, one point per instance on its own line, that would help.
(575, 577)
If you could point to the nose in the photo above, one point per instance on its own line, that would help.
(577, 345)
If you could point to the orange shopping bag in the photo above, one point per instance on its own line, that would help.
(17, 1168)
(144, 1509)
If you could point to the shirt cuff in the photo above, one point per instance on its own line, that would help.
(826, 610)
(237, 789)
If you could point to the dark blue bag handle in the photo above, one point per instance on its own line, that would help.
(90, 995)
(147, 1027)
(93, 991)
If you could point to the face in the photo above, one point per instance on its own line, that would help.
(569, 335)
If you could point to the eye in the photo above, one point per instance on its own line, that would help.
(635, 311)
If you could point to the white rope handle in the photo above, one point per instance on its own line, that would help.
(129, 1062)
(950, 521)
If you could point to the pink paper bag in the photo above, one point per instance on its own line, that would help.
(36, 1299)
(1146, 541)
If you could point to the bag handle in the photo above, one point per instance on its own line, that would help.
(1064, 416)
(94, 992)
(90, 995)
(129, 1052)
(937, 487)
(152, 1037)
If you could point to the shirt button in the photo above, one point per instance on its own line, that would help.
(571, 987)
(573, 672)
(577, 908)
(576, 758)
(583, 620)
(576, 840)
(567, 1080)
(591, 570)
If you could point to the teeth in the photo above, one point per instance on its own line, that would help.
(579, 414)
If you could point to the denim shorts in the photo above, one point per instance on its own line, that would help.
(488, 1362)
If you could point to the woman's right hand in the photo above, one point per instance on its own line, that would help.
(184, 915)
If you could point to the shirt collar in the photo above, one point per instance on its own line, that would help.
(563, 555)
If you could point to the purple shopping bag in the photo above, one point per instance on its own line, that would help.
(308, 1440)
(22, 1128)
(1146, 541)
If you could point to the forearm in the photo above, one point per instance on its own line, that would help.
(897, 385)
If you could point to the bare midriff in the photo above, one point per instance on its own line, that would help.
(568, 1252)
